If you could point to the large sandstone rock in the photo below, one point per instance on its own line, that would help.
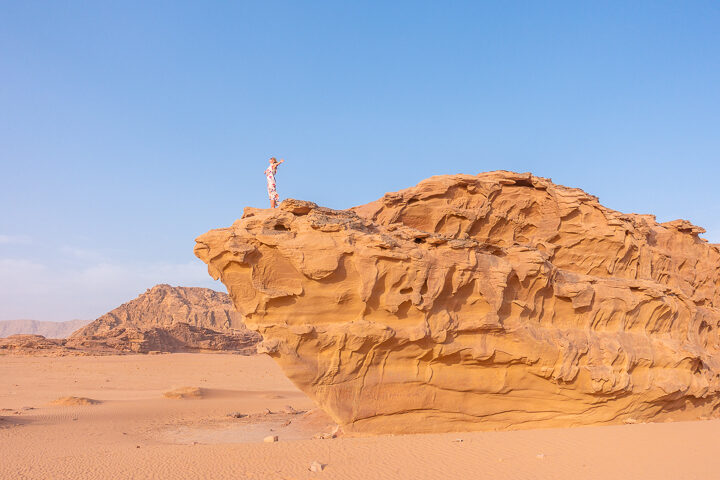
(167, 318)
(479, 302)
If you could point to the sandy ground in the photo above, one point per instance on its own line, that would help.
(133, 431)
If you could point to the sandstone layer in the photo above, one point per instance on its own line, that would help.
(479, 302)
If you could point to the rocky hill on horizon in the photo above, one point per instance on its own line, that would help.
(164, 305)
(163, 319)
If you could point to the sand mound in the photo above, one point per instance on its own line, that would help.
(185, 392)
(479, 302)
(72, 401)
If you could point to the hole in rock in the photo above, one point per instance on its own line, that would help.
(419, 240)
(281, 228)
(523, 183)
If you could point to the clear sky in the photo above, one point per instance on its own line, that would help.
(127, 130)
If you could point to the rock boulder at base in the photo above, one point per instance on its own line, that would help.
(482, 302)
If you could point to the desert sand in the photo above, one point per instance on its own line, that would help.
(129, 429)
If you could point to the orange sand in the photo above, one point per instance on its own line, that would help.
(135, 432)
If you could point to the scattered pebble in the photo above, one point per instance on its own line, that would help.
(270, 439)
(236, 415)
(325, 436)
(459, 440)
(540, 456)
(316, 467)
(70, 401)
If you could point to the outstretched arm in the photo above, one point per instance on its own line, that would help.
(281, 161)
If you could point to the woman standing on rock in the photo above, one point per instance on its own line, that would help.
(270, 175)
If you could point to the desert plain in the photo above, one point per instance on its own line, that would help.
(173, 416)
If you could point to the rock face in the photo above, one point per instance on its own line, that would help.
(167, 318)
(480, 302)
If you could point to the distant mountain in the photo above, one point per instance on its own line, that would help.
(36, 327)
(167, 318)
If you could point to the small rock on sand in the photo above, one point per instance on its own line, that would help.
(290, 410)
(316, 467)
(184, 392)
(71, 401)
(270, 439)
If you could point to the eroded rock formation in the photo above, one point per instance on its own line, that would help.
(479, 302)
(29, 344)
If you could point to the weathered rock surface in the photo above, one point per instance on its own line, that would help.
(480, 302)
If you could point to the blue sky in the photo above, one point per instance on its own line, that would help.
(129, 129)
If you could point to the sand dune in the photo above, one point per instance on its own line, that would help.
(137, 433)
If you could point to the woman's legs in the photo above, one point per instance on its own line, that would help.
(272, 192)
